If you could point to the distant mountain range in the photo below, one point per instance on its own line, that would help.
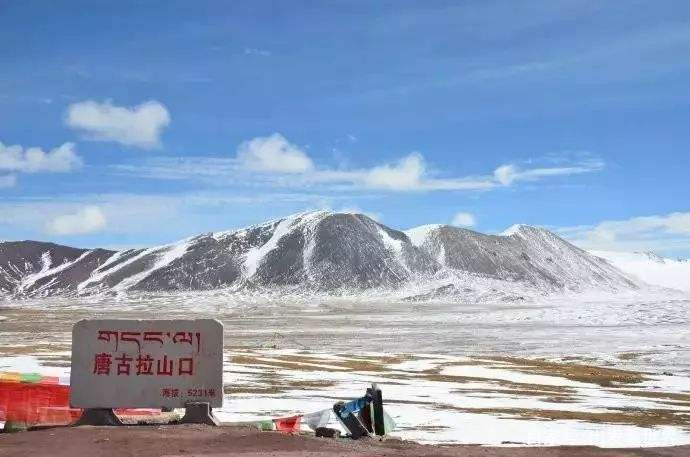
(317, 252)
(651, 268)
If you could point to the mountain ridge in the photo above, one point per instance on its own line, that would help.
(651, 268)
(318, 251)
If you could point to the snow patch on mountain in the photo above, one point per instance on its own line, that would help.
(419, 234)
(527, 254)
(393, 245)
(255, 256)
(300, 223)
(513, 230)
(165, 256)
(651, 268)
(29, 280)
(105, 270)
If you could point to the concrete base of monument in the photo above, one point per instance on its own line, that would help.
(98, 416)
(199, 413)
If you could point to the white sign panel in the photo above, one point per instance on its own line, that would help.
(146, 363)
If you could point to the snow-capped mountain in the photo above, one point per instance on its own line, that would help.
(522, 253)
(316, 251)
(36, 268)
(651, 268)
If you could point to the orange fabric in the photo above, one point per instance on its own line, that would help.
(44, 402)
(36, 404)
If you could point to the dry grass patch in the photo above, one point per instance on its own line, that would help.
(676, 397)
(551, 396)
(604, 377)
(314, 363)
(260, 390)
(34, 349)
(358, 364)
(426, 428)
(512, 385)
(629, 355)
(274, 362)
(276, 385)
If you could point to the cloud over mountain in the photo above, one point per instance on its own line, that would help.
(463, 219)
(274, 161)
(662, 232)
(89, 219)
(273, 153)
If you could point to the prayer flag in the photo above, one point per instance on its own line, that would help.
(287, 424)
(318, 419)
(388, 423)
(354, 406)
(265, 426)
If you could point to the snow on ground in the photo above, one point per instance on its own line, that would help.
(432, 399)
(436, 361)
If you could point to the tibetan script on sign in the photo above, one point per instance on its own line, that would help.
(146, 363)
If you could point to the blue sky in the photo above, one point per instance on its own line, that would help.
(128, 124)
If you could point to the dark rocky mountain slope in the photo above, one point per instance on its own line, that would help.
(316, 251)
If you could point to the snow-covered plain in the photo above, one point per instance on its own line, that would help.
(436, 360)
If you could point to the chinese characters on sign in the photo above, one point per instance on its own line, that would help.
(143, 363)
(132, 363)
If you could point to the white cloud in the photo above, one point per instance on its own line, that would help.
(505, 174)
(464, 220)
(509, 174)
(129, 217)
(7, 181)
(662, 233)
(89, 219)
(35, 160)
(285, 165)
(124, 214)
(139, 126)
(273, 154)
(406, 174)
(410, 174)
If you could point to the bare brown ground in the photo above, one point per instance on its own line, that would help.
(200, 440)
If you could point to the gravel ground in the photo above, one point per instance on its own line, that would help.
(200, 440)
